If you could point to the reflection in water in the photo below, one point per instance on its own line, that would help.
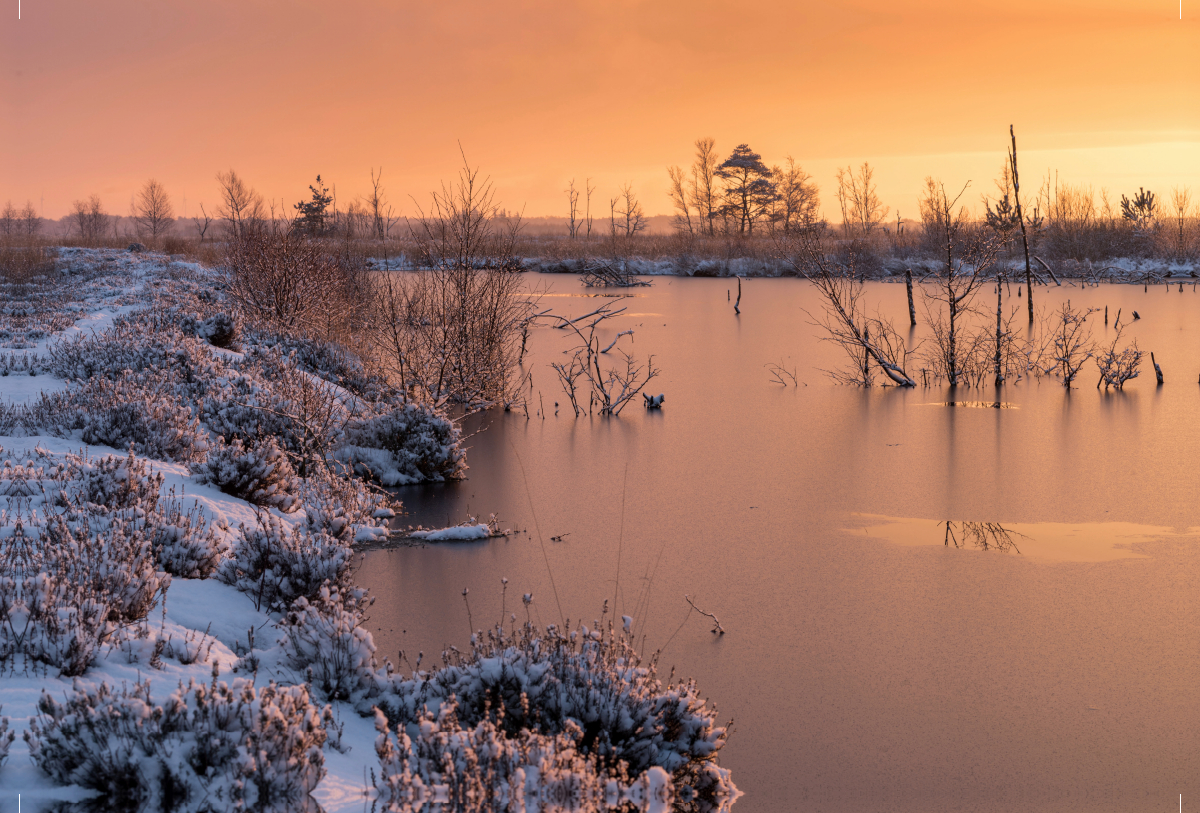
(1056, 541)
(973, 404)
(982, 535)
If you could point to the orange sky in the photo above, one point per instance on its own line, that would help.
(98, 96)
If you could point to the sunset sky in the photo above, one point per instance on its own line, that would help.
(99, 96)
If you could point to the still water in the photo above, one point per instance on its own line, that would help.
(870, 662)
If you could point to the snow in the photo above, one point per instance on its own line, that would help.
(457, 533)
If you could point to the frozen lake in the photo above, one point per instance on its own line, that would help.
(867, 663)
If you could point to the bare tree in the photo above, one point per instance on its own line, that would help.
(862, 211)
(573, 221)
(612, 386)
(1181, 199)
(9, 220)
(705, 197)
(1071, 336)
(89, 219)
(587, 217)
(378, 209)
(242, 208)
(1016, 182)
(153, 213)
(202, 223)
(1118, 366)
(864, 339)
(462, 228)
(799, 197)
(633, 219)
(681, 196)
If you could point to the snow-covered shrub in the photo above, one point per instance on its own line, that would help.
(260, 475)
(220, 329)
(324, 640)
(112, 483)
(183, 544)
(547, 682)
(276, 564)
(67, 591)
(141, 346)
(117, 562)
(409, 444)
(345, 508)
(6, 739)
(480, 768)
(207, 748)
(126, 412)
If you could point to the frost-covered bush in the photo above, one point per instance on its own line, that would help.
(479, 769)
(325, 641)
(127, 412)
(6, 739)
(345, 508)
(260, 475)
(549, 681)
(112, 483)
(141, 347)
(409, 444)
(183, 544)
(206, 748)
(115, 559)
(276, 564)
(220, 329)
(65, 592)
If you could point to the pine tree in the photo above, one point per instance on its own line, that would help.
(314, 214)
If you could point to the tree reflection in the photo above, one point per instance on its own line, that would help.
(982, 535)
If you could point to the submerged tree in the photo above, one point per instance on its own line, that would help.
(865, 340)
(967, 257)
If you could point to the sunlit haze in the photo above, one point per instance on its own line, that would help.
(97, 97)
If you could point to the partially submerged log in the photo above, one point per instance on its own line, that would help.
(602, 276)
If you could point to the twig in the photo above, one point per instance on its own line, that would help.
(717, 628)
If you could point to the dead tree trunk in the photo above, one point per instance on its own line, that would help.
(999, 333)
(1012, 159)
(1157, 370)
(912, 311)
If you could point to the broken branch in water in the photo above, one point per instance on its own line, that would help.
(717, 628)
(617, 338)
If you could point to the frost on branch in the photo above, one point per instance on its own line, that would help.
(208, 747)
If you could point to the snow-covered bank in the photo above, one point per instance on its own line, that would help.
(179, 623)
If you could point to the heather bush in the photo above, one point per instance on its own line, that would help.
(324, 640)
(122, 413)
(220, 329)
(409, 444)
(547, 682)
(78, 584)
(260, 475)
(206, 748)
(183, 544)
(276, 564)
(6, 739)
(112, 483)
(480, 768)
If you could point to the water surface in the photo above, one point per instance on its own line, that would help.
(867, 665)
